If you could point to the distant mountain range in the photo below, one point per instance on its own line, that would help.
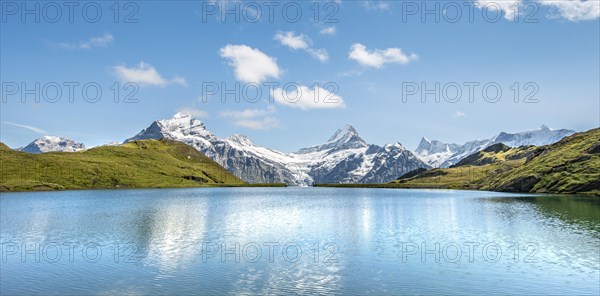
(439, 154)
(344, 158)
(571, 165)
(52, 144)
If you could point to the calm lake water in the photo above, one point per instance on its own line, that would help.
(298, 240)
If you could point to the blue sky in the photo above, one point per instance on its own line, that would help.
(368, 55)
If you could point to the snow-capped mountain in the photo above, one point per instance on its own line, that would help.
(438, 154)
(344, 158)
(434, 152)
(347, 158)
(237, 153)
(52, 144)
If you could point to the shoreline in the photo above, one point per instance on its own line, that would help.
(50, 189)
(394, 186)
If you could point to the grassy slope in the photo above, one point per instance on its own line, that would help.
(563, 167)
(138, 164)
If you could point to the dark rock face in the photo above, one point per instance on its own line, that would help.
(412, 173)
(522, 184)
(591, 186)
(473, 159)
(496, 148)
(537, 152)
(595, 149)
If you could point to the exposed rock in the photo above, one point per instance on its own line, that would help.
(412, 173)
(521, 184)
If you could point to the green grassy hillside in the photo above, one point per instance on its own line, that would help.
(571, 165)
(568, 166)
(138, 164)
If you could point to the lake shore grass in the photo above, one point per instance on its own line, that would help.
(423, 186)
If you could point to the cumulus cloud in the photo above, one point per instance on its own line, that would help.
(250, 64)
(98, 41)
(258, 119)
(574, 10)
(292, 40)
(302, 42)
(145, 74)
(306, 98)
(379, 57)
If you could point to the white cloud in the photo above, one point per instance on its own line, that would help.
(145, 74)
(194, 112)
(459, 114)
(306, 98)
(250, 64)
(295, 42)
(258, 119)
(31, 128)
(510, 8)
(574, 10)
(99, 41)
(319, 54)
(379, 57)
(328, 30)
(376, 5)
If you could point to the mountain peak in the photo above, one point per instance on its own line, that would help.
(424, 144)
(431, 146)
(345, 132)
(544, 127)
(179, 127)
(344, 138)
(396, 145)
